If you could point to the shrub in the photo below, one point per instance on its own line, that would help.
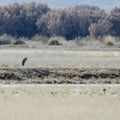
(43, 39)
(56, 41)
(19, 42)
(78, 41)
(109, 40)
(5, 39)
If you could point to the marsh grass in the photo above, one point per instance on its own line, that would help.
(109, 41)
(6, 39)
(39, 38)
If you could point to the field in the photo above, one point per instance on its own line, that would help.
(60, 58)
(56, 65)
(66, 102)
(59, 84)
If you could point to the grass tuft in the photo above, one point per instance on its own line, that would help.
(109, 41)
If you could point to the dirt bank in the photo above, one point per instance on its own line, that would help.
(59, 76)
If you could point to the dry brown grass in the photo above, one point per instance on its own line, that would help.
(4, 65)
(109, 41)
(43, 103)
(59, 76)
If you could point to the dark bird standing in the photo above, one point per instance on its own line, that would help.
(24, 61)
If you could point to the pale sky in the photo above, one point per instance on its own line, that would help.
(105, 4)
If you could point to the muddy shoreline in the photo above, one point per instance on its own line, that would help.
(59, 76)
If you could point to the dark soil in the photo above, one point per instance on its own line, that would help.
(59, 76)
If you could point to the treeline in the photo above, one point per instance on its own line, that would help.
(29, 19)
(110, 25)
(20, 19)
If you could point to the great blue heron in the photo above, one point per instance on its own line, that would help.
(24, 61)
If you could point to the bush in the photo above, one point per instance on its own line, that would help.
(109, 40)
(56, 41)
(43, 39)
(5, 39)
(19, 42)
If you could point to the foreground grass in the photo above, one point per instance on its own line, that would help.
(58, 103)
